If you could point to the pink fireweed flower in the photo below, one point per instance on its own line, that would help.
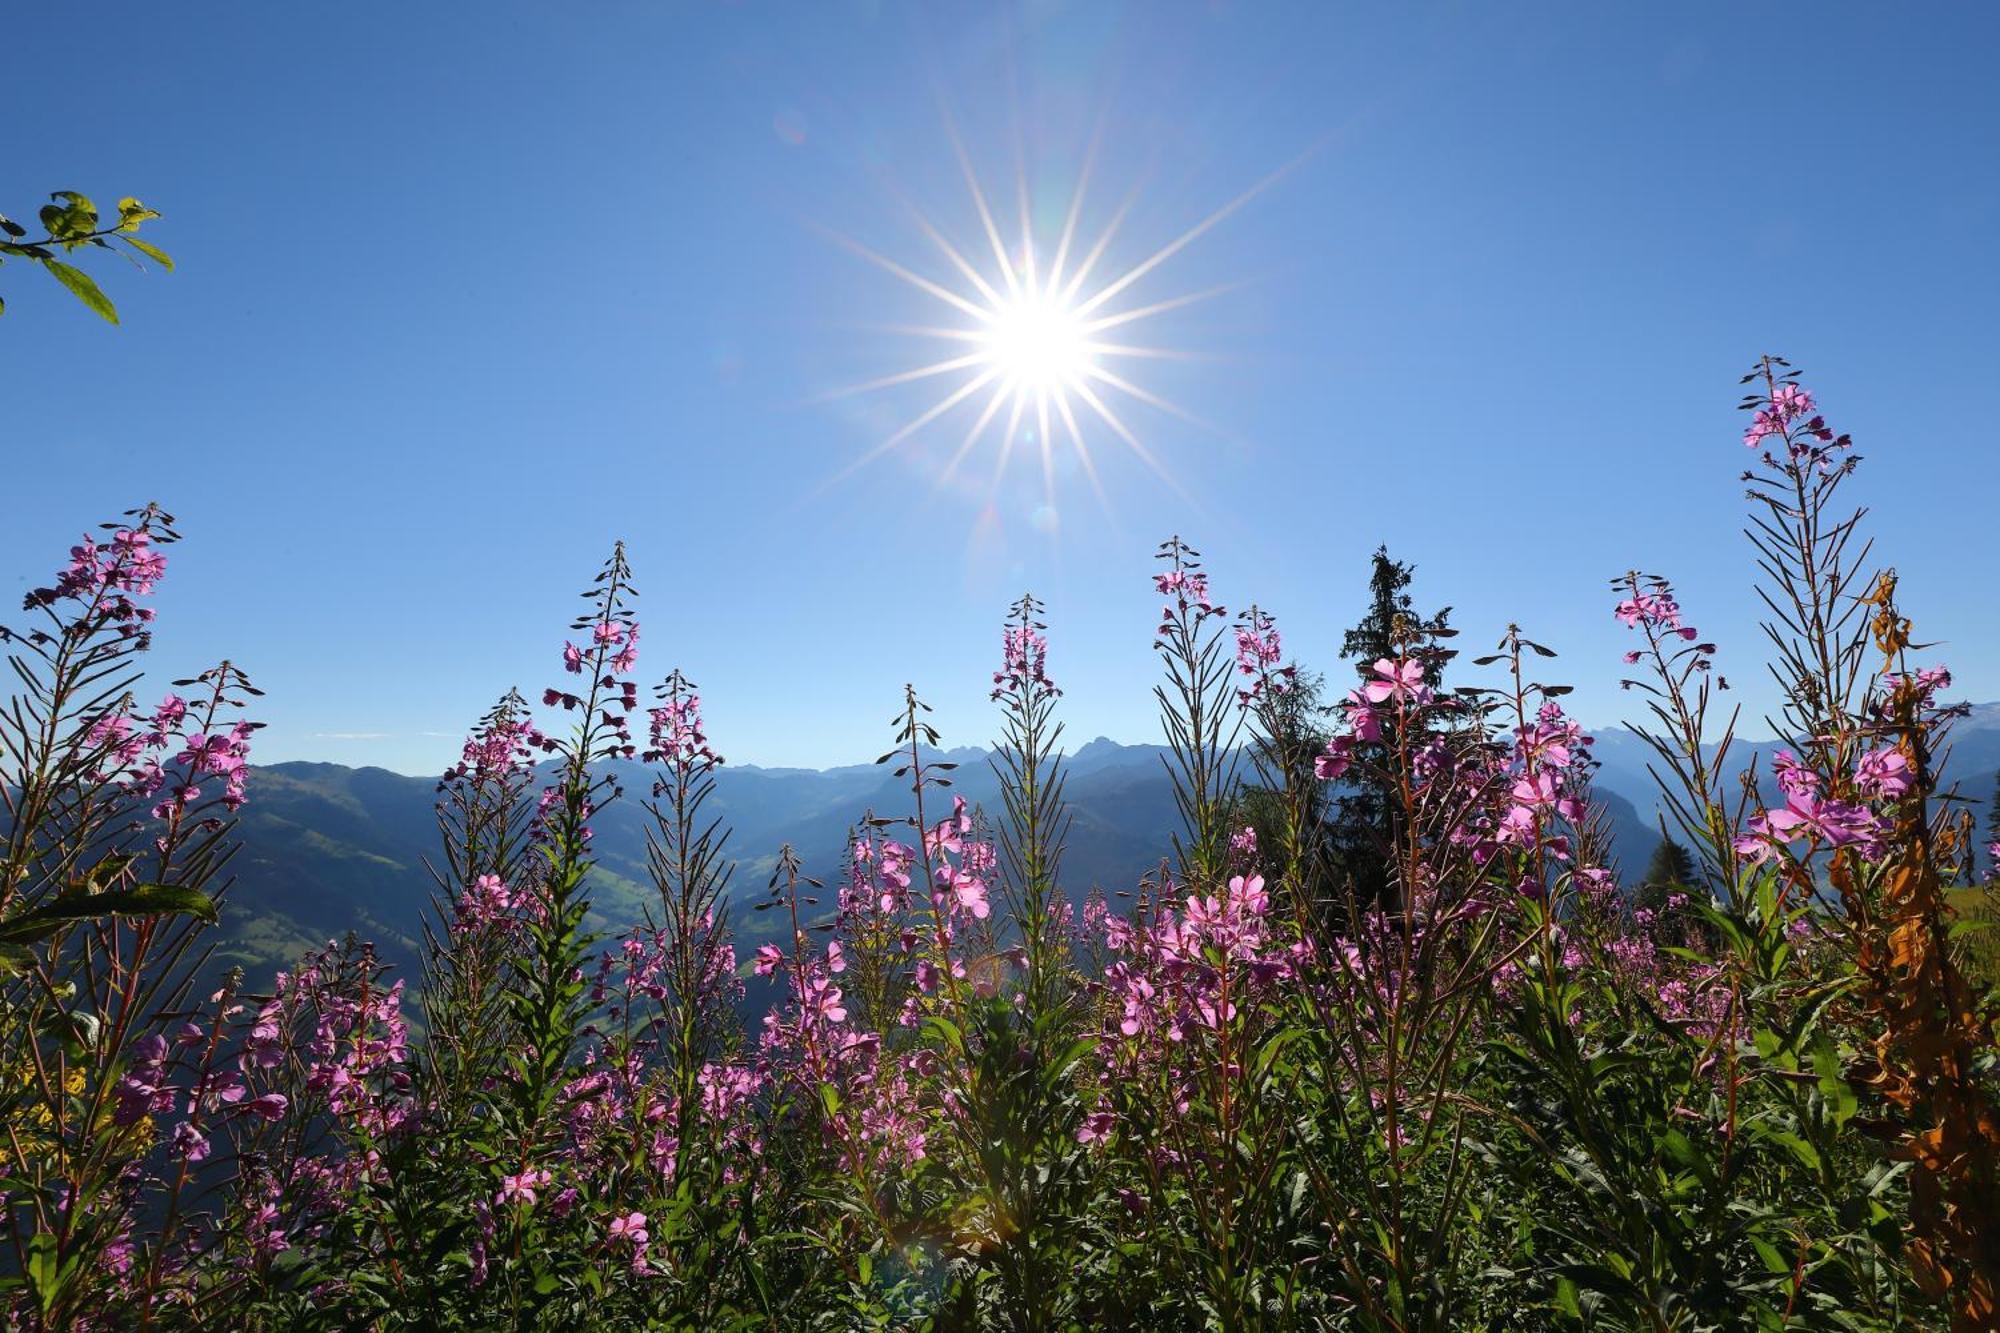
(522, 1188)
(1652, 608)
(967, 891)
(1807, 814)
(1788, 404)
(190, 1143)
(225, 754)
(1925, 682)
(572, 658)
(1258, 652)
(484, 902)
(111, 574)
(172, 710)
(114, 735)
(1554, 741)
(949, 833)
(1363, 723)
(726, 1089)
(627, 656)
(769, 959)
(1794, 778)
(1398, 681)
(1023, 662)
(1187, 586)
(1536, 792)
(1883, 775)
(502, 746)
(1233, 923)
(676, 729)
(1138, 1007)
(821, 998)
(1331, 763)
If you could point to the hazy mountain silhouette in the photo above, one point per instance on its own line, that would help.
(329, 849)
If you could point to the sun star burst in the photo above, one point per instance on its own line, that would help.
(1024, 350)
(1038, 342)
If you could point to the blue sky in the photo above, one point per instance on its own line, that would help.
(465, 293)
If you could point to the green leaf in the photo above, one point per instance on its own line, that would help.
(131, 213)
(76, 1029)
(107, 869)
(151, 251)
(140, 900)
(86, 291)
(41, 1270)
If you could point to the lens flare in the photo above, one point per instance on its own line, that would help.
(1026, 351)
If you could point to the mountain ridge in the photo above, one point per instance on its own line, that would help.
(329, 847)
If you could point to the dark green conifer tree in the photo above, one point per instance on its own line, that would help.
(1670, 870)
(1362, 828)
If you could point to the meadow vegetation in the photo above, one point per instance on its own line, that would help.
(1458, 1077)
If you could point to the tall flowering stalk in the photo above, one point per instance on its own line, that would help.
(118, 821)
(824, 1069)
(685, 853)
(1680, 687)
(1815, 562)
(1287, 739)
(485, 819)
(1858, 804)
(1198, 710)
(547, 995)
(954, 902)
(1028, 762)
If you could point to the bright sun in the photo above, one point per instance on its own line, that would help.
(1039, 343)
(1028, 354)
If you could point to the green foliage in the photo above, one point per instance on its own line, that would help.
(1684, 1177)
(71, 223)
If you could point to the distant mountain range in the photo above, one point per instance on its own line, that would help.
(328, 849)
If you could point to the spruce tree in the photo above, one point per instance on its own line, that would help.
(1363, 827)
(1671, 870)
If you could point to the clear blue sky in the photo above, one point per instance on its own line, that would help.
(465, 292)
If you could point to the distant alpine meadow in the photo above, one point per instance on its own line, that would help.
(1357, 1023)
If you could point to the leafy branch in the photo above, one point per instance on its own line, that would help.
(70, 223)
